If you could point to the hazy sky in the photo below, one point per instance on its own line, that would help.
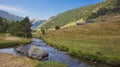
(42, 9)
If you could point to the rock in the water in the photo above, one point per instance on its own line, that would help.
(37, 53)
(38, 44)
(22, 49)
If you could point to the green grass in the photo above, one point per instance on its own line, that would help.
(50, 64)
(7, 40)
(96, 42)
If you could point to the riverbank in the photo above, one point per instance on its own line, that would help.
(98, 42)
(7, 40)
(9, 60)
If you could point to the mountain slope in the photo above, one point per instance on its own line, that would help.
(36, 24)
(98, 41)
(82, 14)
(9, 16)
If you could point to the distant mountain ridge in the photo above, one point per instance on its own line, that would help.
(36, 23)
(9, 16)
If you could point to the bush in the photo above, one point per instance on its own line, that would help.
(43, 31)
(57, 27)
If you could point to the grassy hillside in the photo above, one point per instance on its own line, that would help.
(9, 60)
(96, 41)
(82, 14)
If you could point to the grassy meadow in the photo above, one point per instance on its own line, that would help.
(9, 60)
(7, 40)
(96, 41)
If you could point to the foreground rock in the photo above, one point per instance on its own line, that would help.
(32, 52)
(37, 53)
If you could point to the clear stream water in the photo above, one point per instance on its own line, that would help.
(57, 56)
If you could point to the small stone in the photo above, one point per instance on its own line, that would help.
(94, 62)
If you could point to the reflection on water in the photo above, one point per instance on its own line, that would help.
(8, 50)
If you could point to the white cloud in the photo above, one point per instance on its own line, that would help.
(13, 9)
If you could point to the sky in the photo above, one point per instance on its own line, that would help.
(42, 9)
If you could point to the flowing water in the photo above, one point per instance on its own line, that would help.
(56, 55)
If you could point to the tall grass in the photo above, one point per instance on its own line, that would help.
(7, 40)
(96, 42)
(9, 60)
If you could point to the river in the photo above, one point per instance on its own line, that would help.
(57, 56)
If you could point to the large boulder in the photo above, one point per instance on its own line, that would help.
(37, 53)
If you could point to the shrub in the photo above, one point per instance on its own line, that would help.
(57, 27)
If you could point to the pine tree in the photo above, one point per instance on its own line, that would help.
(3, 25)
(25, 27)
(20, 28)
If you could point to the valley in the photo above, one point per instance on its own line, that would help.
(62, 36)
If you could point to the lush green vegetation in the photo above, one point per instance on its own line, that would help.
(96, 42)
(18, 61)
(17, 28)
(3, 25)
(21, 28)
(83, 13)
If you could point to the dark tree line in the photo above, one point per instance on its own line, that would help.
(3, 25)
(17, 28)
